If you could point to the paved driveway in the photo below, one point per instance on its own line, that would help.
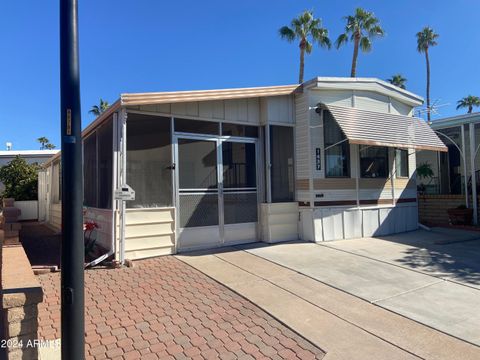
(429, 277)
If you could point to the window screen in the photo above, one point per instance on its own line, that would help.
(105, 161)
(281, 160)
(401, 162)
(149, 161)
(90, 170)
(373, 162)
(337, 149)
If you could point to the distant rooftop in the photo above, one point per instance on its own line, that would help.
(30, 153)
(456, 120)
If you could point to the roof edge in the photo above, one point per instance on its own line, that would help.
(403, 94)
(456, 120)
(131, 99)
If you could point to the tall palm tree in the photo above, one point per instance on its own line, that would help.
(307, 30)
(43, 142)
(100, 108)
(361, 28)
(50, 146)
(398, 80)
(468, 102)
(426, 39)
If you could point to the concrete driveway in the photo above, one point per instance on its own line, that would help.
(408, 296)
(430, 277)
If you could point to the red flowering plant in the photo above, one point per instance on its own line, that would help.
(89, 235)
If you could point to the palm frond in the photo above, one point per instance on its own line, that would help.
(426, 38)
(365, 44)
(286, 33)
(308, 47)
(398, 80)
(320, 35)
(342, 39)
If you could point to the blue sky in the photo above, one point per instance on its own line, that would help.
(148, 45)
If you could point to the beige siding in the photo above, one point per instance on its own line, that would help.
(302, 143)
(334, 184)
(278, 109)
(367, 100)
(333, 97)
(375, 183)
(149, 232)
(400, 108)
(279, 222)
(237, 110)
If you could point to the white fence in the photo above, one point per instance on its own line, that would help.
(29, 209)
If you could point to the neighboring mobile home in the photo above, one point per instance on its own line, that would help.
(30, 156)
(29, 208)
(330, 159)
(456, 172)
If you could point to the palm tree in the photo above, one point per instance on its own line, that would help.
(468, 102)
(398, 80)
(426, 39)
(100, 108)
(43, 142)
(50, 146)
(361, 28)
(307, 30)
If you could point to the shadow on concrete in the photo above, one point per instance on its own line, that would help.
(42, 244)
(454, 254)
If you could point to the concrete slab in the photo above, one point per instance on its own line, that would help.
(445, 306)
(337, 337)
(452, 236)
(368, 279)
(454, 261)
(373, 278)
(343, 325)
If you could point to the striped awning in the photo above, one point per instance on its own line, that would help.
(384, 129)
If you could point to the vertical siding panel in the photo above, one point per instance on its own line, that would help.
(302, 162)
(192, 109)
(164, 108)
(218, 110)
(253, 110)
(179, 109)
(205, 109)
(242, 110)
(231, 110)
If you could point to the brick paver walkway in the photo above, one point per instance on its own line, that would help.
(164, 309)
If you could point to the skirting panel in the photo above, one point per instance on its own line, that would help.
(326, 224)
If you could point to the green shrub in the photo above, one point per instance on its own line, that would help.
(20, 180)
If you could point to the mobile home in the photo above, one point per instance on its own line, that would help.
(332, 158)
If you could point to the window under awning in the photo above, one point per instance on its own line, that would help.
(384, 129)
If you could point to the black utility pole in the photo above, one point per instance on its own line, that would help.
(73, 333)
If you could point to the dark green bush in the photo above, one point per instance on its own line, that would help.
(20, 180)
